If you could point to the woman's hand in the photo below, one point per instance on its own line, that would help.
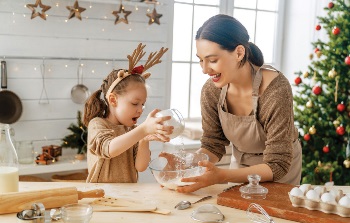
(212, 175)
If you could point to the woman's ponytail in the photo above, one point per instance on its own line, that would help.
(255, 55)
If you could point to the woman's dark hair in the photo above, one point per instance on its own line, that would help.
(95, 106)
(228, 32)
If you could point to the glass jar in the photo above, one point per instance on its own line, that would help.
(176, 120)
(8, 161)
(25, 152)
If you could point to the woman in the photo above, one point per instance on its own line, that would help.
(244, 103)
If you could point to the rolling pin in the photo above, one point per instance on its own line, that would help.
(52, 198)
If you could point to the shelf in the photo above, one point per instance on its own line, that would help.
(66, 163)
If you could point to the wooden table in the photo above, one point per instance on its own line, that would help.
(150, 193)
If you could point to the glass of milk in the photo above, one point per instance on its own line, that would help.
(8, 161)
(176, 120)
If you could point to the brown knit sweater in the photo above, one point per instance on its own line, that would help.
(274, 112)
(101, 167)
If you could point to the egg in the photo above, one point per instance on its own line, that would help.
(296, 192)
(335, 192)
(320, 190)
(344, 201)
(312, 195)
(328, 198)
(304, 187)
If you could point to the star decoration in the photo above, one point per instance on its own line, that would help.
(154, 17)
(119, 18)
(35, 9)
(75, 10)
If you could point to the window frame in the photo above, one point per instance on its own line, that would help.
(227, 7)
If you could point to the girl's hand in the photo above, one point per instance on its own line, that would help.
(157, 137)
(211, 176)
(154, 126)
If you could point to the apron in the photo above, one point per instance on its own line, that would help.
(248, 137)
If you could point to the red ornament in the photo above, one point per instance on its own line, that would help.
(317, 90)
(336, 30)
(340, 130)
(330, 5)
(325, 149)
(318, 27)
(347, 60)
(307, 137)
(341, 107)
(297, 80)
(137, 70)
(316, 50)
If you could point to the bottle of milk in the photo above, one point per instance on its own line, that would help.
(8, 161)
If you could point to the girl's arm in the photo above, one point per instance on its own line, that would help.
(143, 156)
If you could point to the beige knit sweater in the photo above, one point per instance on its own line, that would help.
(101, 167)
(275, 113)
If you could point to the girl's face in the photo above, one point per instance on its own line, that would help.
(129, 106)
(219, 64)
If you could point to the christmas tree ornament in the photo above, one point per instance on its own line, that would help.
(36, 7)
(332, 73)
(307, 137)
(347, 163)
(316, 50)
(325, 149)
(318, 27)
(336, 123)
(124, 15)
(312, 130)
(317, 90)
(330, 5)
(336, 89)
(311, 56)
(340, 130)
(318, 54)
(336, 31)
(309, 104)
(347, 60)
(297, 80)
(154, 17)
(75, 10)
(306, 74)
(341, 107)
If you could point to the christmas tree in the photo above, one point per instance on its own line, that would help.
(78, 137)
(322, 101)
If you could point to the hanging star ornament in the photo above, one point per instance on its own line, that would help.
(75, 10)
(124, 17)
(36, 7)
(154, 17)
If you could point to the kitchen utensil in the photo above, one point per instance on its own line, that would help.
(44, 99)
(176, 120)
(207, 213)
(186, 204)
(112, 204)
(257, 214)
(169, 170)
(76, 213)
(80, 92)
(11, 105)
(17, 201)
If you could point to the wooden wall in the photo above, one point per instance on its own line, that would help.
(26, 44)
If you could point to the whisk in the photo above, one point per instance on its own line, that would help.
(257, 214)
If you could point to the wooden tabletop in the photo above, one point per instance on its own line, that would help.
(151, 194)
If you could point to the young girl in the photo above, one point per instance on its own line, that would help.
(117, 147)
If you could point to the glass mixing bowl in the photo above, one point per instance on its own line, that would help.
(170, 170)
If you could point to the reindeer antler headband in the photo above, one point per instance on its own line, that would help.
(153, 59)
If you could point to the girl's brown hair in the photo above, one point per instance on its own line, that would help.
(96, 106)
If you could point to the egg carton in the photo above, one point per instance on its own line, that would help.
(319, 205)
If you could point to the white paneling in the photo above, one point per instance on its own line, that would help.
(99, 44)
